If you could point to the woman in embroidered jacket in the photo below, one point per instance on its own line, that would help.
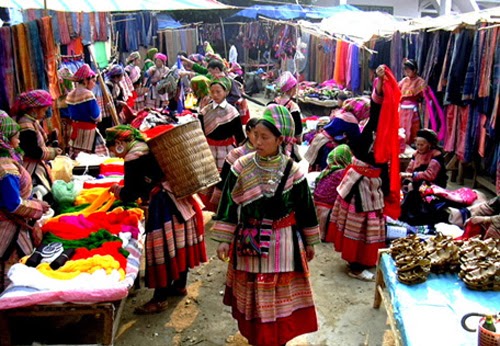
(325, 192)
(85, 114)
(266, 208)
(174, 228)
(16, 205)
(412, 87)
(154, 75)
(30, 108)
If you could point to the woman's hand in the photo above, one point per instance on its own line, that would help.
(45, 206)
(223, 252)
(475, 220)
(380, 71)
(309, 252)
(115, 190)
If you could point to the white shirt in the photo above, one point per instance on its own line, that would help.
(222, 105)
(233, 54)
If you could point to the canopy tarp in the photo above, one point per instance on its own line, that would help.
(113, 5)
(165, 21)
(360, 26)
(325, 12)
(283, 12)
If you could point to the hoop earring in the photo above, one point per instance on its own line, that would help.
(119, 149)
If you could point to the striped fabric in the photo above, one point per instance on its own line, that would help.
(172, 246)
(214, 117)
(220, 153)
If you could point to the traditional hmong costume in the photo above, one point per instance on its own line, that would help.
(411, 94)
(85, 112)
(174, 228)
(270, 295)
(33, 137)
(325, 191)
(16, 207)
(154, 75)
(222, 126)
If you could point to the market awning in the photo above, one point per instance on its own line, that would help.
(360, 26)
(325, 12)
(284, 12)
(113, 5)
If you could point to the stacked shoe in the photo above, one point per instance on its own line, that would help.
(480, 264)
(410, 256)
(443, 252)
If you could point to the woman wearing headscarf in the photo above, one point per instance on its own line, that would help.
(150, 60)
(17, 208)
(412, 93)
(174, 228)
(325, 191)
(287, 86)
(267, 229)
(344, 128)
(85, 113)
(118, 91)
(30, 108)
(426, 167)
(134, 72)
(154, 75)
(201, 89)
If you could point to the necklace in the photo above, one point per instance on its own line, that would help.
(270, 177)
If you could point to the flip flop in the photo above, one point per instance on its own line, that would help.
(151, 307)
(365, 275)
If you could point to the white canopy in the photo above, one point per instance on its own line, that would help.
(113, 5)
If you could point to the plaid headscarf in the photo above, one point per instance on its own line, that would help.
(125, 133)
(115, 70)
(133, 56)
(358, 106)
(340, 157)
(286, 82)
(199, 84)
(8, 128)
(31, 99)
(84, 72)
(281, 119)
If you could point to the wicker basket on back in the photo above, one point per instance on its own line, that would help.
(185, 158)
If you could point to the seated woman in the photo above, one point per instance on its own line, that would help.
(325, 192)
(342, 129)
(426, 166)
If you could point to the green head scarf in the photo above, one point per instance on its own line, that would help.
(125, 133)
(280, 117)
(8, 128)
(200, 84)
(223, 82)
(151, 53)
(339, 158)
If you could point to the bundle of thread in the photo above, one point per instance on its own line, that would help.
(480, 264)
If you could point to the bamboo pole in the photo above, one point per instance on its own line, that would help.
(224, 38)
(108, 100)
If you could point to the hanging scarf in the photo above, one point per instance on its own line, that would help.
(431, 103)
(386, 146)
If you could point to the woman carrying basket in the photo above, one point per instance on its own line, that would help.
(267, 229)
(174, 228)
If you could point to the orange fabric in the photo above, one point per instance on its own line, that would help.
(338, 62)
(386, 146)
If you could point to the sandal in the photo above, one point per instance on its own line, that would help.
(151, 307)
(365, 275)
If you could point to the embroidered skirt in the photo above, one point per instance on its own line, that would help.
(357, 235)
(172, 245)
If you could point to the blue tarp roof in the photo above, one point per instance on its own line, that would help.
(165, 21)
(283, 12)
(287, 12)
(325, 12)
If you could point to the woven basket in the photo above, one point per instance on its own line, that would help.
(185, 158)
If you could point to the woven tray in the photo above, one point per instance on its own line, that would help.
(185, 158)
